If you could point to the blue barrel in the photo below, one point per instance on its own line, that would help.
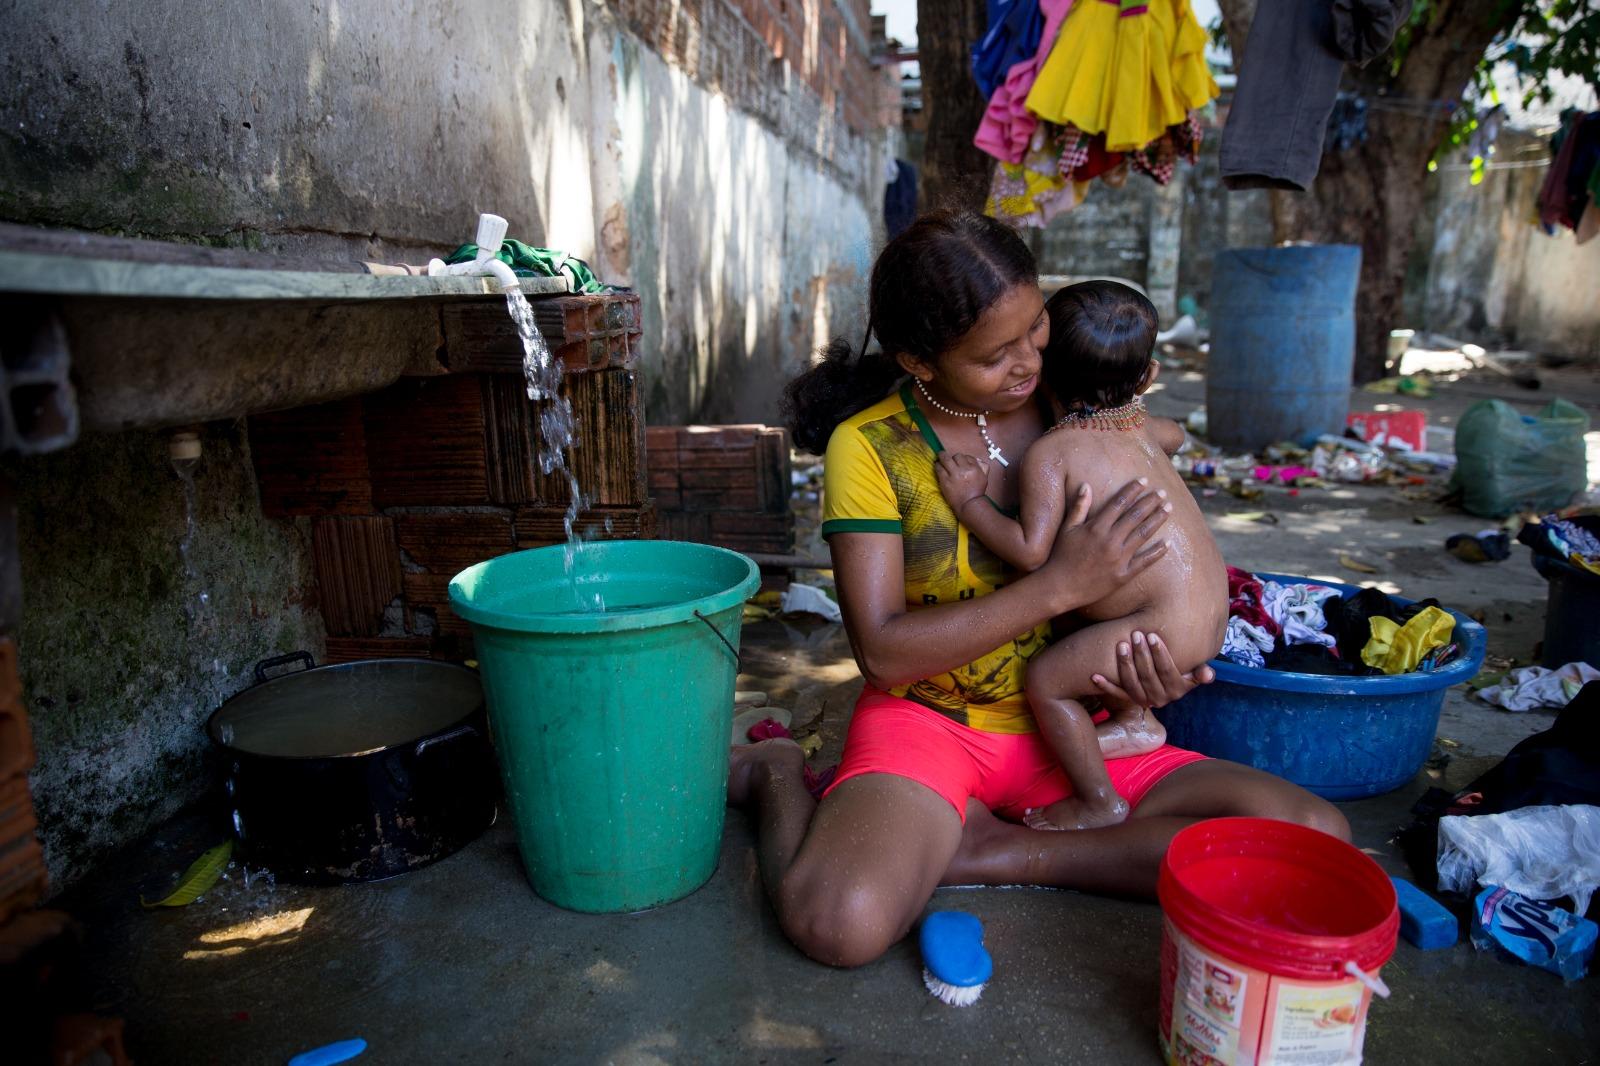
(1283, 342)
(1340, 736)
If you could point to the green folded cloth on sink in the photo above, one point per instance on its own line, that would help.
(530, 262)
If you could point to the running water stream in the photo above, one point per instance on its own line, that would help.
(197, 611)
(556, 430)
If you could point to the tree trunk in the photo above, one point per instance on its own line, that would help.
(955, 173)
(1368, 197)
(1373, 194)
(1236, 18)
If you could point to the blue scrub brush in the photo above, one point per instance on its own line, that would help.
(954, 962)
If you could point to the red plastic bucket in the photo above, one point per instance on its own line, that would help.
(1262, 921)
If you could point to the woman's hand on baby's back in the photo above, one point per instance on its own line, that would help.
(1095, 557)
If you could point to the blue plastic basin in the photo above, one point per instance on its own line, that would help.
(1342, 737)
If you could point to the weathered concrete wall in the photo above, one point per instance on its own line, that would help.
(1129, 232)
(1494, 277)
(780, 231)
(135, 626)
(718, 155)
(359, 129)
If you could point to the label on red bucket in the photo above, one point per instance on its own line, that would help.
(1218, 1012)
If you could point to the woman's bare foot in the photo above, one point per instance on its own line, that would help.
(989, 847)
(1125, 734)
(1074, 813)
(747, 762)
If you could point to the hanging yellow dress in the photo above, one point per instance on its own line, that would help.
(1125, 68)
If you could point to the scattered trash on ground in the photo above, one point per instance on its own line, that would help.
(197, 879)
(1544, 852)
(1329, 461)
(1535, 687)
(328, 1054)
(1511, 462)
(1489, 546)
(1540, 934)
(811, 600)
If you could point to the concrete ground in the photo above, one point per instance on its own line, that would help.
(462, 962)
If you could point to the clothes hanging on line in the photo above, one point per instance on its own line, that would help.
(1126, 68)
(1288, 79)
(1007, 126)
(1565, 196)
(1159, 159)
(1042, 186)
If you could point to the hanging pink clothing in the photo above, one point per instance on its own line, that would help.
(1008, 125)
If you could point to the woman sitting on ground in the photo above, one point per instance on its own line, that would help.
(942, 758)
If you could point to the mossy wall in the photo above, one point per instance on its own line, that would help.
(135, 627)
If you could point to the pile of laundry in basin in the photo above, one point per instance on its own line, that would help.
(1314, 629)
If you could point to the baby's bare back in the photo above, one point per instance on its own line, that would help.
(1184, 596)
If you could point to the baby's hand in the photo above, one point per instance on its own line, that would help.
(962, 478)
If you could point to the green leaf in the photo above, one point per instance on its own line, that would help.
(197, 879)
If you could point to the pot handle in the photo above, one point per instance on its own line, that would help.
(428, 742)
(283, 660)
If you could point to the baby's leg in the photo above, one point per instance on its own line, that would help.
(1055, 676)
(1189, 639)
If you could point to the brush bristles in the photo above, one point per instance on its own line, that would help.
(955, 995)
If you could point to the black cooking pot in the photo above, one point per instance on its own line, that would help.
(356, 771)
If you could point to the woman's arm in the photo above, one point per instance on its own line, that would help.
(894, 646)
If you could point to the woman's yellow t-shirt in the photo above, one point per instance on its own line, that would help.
(879, 478)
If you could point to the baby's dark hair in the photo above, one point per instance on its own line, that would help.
(929, 287)
(1102, 335)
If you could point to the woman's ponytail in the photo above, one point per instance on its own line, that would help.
(835, 388)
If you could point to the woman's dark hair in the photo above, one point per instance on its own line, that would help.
(929, 287)
(1102, 335)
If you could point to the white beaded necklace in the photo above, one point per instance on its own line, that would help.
(981, 416)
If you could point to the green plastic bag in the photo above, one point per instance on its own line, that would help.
(1507, 461)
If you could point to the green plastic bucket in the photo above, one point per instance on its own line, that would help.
(611, 726)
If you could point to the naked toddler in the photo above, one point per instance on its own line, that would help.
(1096, 366)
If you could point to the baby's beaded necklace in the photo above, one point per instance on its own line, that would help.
(981, 416)
(1130, 415)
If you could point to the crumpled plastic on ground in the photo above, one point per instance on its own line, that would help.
(811, 600)
(1540, 852)
(1540, 934)
(1533, 687)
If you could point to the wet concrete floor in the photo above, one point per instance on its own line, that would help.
(461, 962)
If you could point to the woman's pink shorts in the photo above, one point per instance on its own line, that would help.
(1008, 772)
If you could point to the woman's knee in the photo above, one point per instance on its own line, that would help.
(840, 921)
(1296, 805)
(1319, 814)
(1273, 797)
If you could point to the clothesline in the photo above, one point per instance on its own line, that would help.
(1530, 164)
